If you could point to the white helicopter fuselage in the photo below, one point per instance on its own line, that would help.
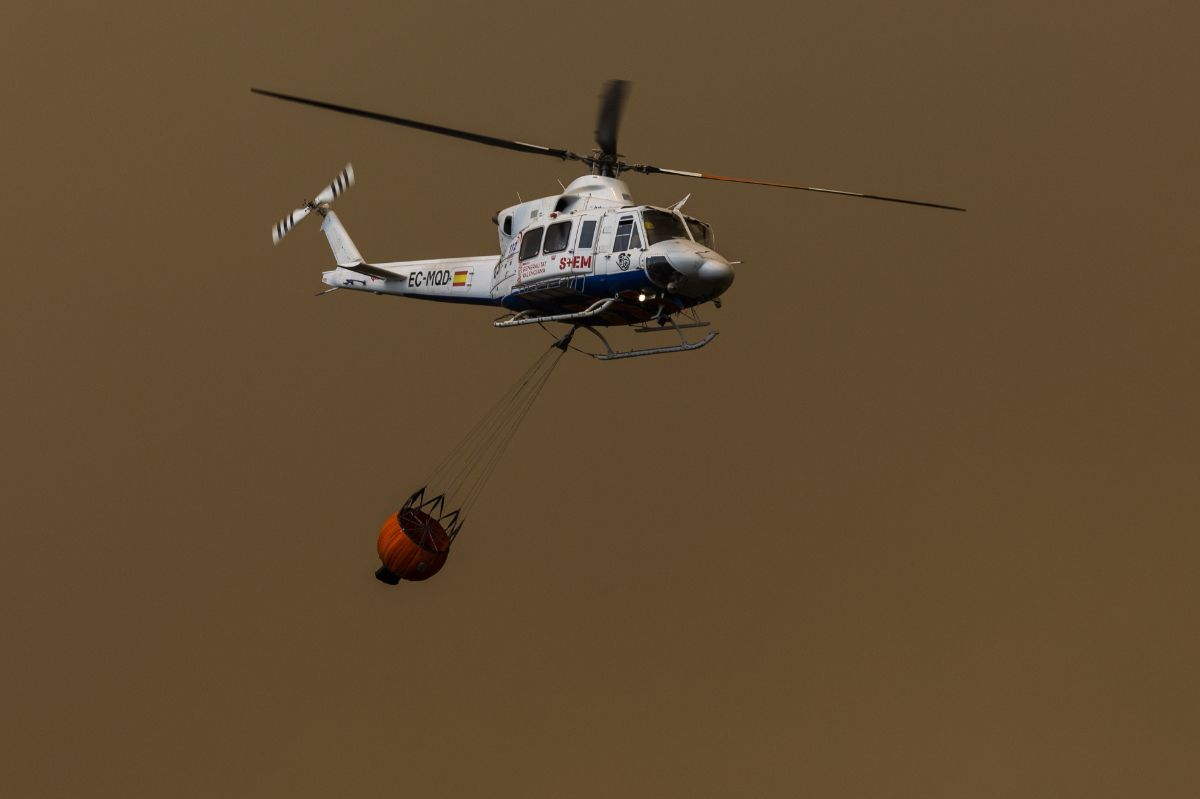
(560, 254)
(586, 257)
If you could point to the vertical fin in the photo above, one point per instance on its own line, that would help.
(344, 251)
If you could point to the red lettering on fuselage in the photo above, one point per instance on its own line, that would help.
(577, 262)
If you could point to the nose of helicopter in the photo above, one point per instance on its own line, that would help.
(716, 272)
(694, 270)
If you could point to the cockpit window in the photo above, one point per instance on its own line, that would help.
(531, 242)
(701, 232)
(661, 225)
(557, 236)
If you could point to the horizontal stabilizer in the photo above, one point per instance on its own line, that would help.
(373, 271)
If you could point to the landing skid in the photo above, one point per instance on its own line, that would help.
(683, 346)
(647, 329)
(580, 319)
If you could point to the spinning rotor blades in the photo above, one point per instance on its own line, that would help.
(609, 119)
(604, 162)
(343, 181)
(507, 144)
(657, 170)
(284, 226)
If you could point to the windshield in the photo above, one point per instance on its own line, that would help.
(700, 232)
(661, 225)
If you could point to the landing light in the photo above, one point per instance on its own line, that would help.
(642, 297)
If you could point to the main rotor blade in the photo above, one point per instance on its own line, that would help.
(507, 144)
(609, 119)
(649, 170)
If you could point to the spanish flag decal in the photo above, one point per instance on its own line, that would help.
(460, 277)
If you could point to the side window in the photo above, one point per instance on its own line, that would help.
(557, 236)
(587, 233)
(531, 242)
(625, 232)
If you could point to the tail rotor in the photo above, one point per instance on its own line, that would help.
(343, 181)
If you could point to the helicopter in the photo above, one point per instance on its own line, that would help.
(588, 257)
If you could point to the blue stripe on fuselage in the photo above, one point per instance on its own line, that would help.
(456, 300)
(594, 287)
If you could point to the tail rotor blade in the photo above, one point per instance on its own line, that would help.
(343, 181)
(285, 225)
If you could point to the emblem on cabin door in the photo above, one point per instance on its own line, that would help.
(623, 261)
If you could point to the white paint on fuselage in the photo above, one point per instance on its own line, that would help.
(602, 200)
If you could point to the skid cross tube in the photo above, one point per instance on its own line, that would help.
(524, 318)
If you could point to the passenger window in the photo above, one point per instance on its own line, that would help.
(587, 233)
(531, 242)
(557, 236)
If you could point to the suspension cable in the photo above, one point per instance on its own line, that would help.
(462, 475)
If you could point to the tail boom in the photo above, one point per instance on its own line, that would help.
(462, 280)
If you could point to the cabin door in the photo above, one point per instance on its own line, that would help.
(582, 256)
(620, 241)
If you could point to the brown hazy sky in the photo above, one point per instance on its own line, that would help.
(922, 521)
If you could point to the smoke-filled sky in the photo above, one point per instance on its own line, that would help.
(921, 522)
